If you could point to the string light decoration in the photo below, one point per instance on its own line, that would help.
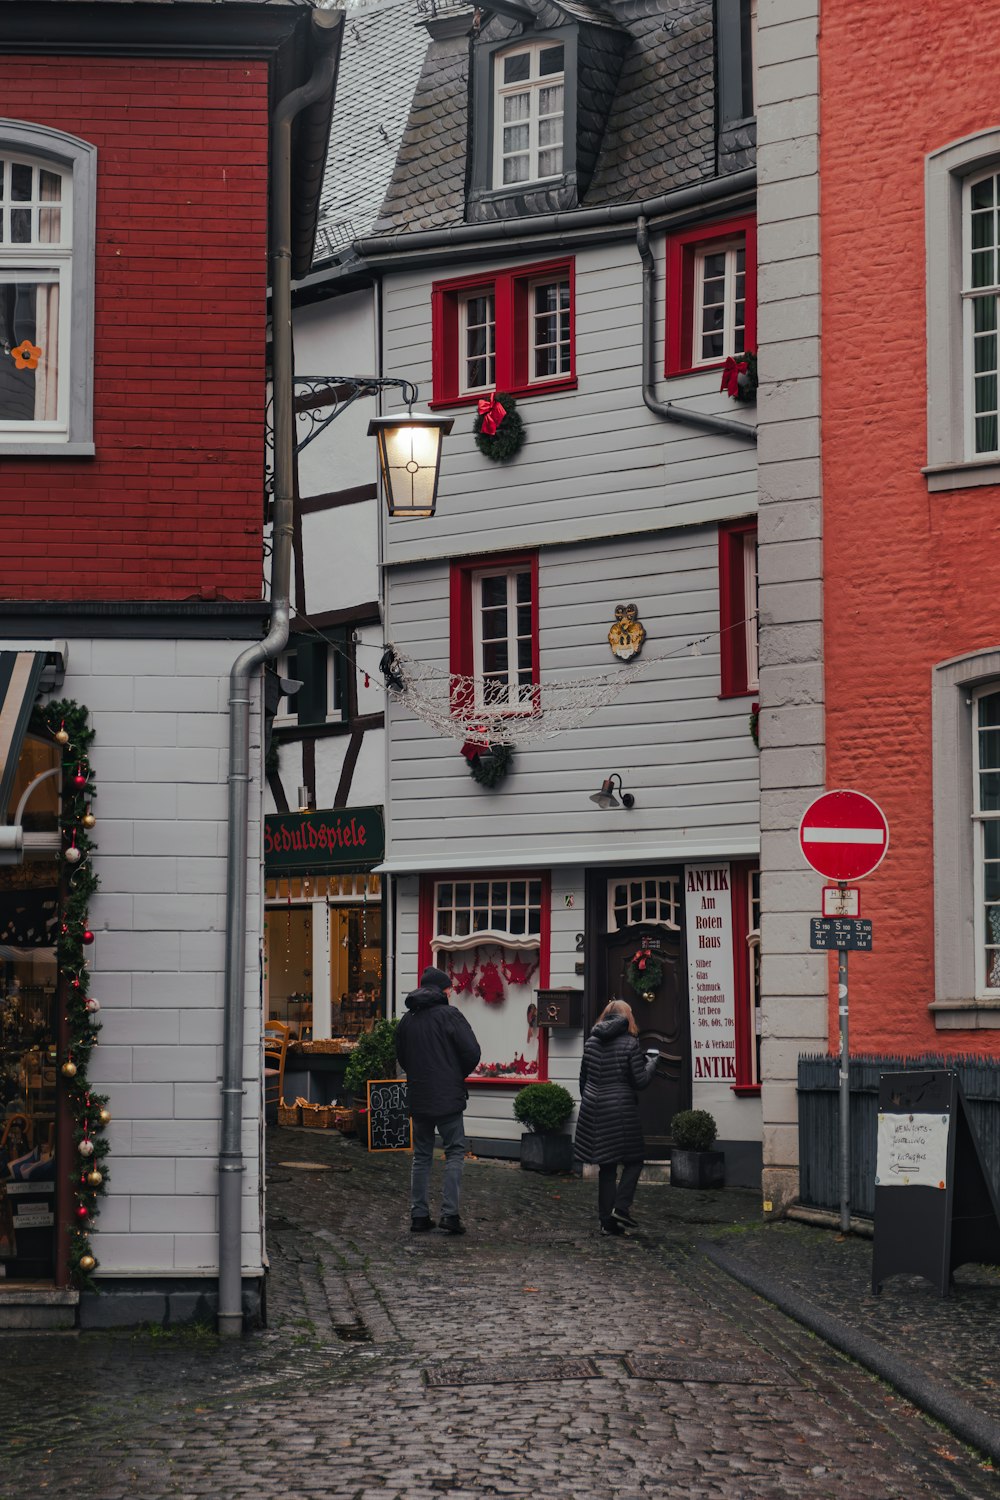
(67, 723)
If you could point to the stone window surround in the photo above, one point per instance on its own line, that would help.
(955, 1005)
(946, 171)
(79, 159)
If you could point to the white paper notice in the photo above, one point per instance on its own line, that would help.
(708, 904)
(912, 1151)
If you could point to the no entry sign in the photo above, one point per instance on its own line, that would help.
(844, 835)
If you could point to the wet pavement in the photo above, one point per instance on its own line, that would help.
(530, 1358)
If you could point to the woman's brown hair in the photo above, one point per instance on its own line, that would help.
(620, 1008)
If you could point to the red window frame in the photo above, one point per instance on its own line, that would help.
(425, 949)
(746, 1038)
(511, 310)
(462, 645)
(682, 248)
(733, 610)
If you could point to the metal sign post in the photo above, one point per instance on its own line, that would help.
(844, 835)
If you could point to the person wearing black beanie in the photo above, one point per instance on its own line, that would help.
(437, 1050)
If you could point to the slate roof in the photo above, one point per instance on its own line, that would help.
(660, 133)
(380, 60)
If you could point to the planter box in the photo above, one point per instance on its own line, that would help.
(548, 1151)
(697, 1169)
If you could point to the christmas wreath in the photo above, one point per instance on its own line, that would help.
(643, 973)
(739, 377)
(498, 427)
(755, 723)
(488, 764)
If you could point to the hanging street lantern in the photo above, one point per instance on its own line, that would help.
(409, 450)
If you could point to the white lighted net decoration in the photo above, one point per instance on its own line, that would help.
(457, 706)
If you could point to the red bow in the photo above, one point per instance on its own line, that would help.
(492, 414)
(731, 372)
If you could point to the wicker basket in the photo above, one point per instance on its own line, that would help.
(316, 1116)
(345, 1120)
(289, 1114)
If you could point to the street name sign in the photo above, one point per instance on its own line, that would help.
(844, 835)
(841, 932)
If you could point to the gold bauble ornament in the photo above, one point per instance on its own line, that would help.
(104, 1115)
(94, 1178)
(62, 736)
(69, 1069)
(87, 1262)
(88, 820)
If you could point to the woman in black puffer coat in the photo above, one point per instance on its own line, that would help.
(608, 1131)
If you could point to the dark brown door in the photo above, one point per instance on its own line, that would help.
(663, 1023)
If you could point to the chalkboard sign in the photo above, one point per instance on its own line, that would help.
(389, 1127)
(935, 1208)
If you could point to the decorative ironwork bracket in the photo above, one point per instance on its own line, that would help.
(321, 398)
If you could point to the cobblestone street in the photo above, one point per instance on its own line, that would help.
(531, 1358)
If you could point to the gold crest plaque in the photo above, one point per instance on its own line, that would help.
(627, 633)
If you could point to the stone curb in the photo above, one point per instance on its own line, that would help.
(964, 1420)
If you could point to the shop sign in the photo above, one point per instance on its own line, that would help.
(708, 906)
(342, 838)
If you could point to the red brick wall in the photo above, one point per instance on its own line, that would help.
(911, 577)
(171, 506)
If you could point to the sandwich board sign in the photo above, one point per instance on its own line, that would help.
(935, 1207)
(389, 1124)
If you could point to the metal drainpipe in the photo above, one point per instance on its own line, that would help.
(744, 431)
(231, 1166)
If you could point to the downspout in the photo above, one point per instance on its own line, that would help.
(231, 1167)
(744, 431)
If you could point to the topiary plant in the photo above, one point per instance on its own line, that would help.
(543, 1106)
(693, 1130)
(373, 1057)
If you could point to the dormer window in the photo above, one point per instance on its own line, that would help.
(530, 104)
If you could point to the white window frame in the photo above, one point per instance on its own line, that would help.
(562, 345)
(651, 907)
(532, 86)
(970, 296)
(750, 608)
(494, 932)
(465, 387)
(984, 990)
(41, 263)
(730, 249)
(286, 713)
(519, 698)
(71, 261)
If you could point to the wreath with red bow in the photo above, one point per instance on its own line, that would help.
(739, 377)
(643, 973)
(498, 427)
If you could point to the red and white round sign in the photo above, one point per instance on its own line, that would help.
(844, 835)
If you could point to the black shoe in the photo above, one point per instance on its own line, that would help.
(613, 1228)
(621, 1217)
(421, 1225)
(452, 1224)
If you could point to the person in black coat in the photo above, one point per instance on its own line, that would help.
(608, 1131)
(437, 1050)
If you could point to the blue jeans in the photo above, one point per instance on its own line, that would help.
(452, 1131)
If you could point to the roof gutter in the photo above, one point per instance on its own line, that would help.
(385, 251)
(745, 432)
(326, 41)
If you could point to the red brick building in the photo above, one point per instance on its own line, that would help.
(134, 271)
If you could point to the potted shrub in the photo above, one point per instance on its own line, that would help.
(373, 1057)
(545, 1108)
(693, 1163)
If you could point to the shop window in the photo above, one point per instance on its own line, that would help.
(652, 900)
(504, 330)
(746, 976)
(738, 608)
(321, 667)
(490, 934)
(46, 290)
(323, 954)
(494, 636)
(528, 113)
(711, 311)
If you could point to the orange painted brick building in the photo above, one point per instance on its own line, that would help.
(880, 481)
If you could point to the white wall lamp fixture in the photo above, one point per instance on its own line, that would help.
(606, 796)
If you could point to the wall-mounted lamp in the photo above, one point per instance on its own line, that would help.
(409, 450)
(606, 796)
(305, 799)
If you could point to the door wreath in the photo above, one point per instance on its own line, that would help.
(643, 973)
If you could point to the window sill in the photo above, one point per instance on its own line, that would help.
(966, 1015)
(14, 448)
(746, 1090)
(750, 692)
(674, 373)
(543, 388)
(519, 1082)
(963, 475)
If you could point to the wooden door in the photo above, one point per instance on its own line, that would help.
(664, 1022)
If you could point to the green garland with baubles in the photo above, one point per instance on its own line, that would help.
(67, 723)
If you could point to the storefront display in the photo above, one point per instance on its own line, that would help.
(323, 940)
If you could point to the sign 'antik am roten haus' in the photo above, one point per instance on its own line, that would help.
(324, 840)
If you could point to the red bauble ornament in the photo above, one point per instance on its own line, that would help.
(80, 779)
(82, 1210)
(86, 937)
